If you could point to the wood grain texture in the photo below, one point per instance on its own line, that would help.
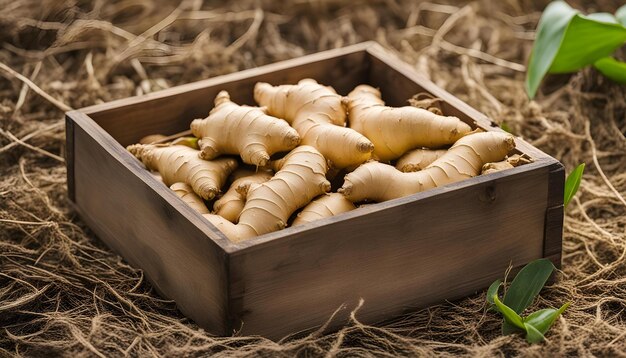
(397, 255)
(149, 228)
(69, 156)
(408, 252)
(553, 236)
(556, 184)
(553, 231)
(556, 260)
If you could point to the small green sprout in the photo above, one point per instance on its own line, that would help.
(520, 294)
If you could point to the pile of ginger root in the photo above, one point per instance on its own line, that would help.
(248, 170)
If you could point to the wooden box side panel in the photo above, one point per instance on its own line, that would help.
(171, 111)
(395, 255)
(135, 221)
(69, 155)
(553, 237)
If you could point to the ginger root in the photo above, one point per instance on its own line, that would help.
(325, 206)
(318, 114)
(301, 176)
(150, 139)
(510, 162)
(247, 131)
(182, 164)
(230, 205)
(465, 159)
(418, 159)
(160, 139)
(496, 167)
(308, 120)
(185, 192)
(394, 131)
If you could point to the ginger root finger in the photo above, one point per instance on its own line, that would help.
(496, 167)
(149, 139)
(269, 205)
(418, 159)
(185, 192)
(465, 159)
(324, 206)
(230, 205)
(511, 162)
(319, 116)
(394, 131)
(242, 130)
(160, 139)
(182, 164)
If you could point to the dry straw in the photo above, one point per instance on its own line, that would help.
(63, 292)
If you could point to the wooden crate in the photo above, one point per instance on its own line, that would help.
(410, 252)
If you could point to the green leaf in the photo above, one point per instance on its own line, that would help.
(550, 32)
(542, 320)
(527, 284)
(508, 328)
(620, 14)
(509, 315)
(532, 334)
(539, 322)
(568, 41)
(505, 127)
(612, 68)
(493, 290)
(603, 17)
(572, 183)
(587, 40)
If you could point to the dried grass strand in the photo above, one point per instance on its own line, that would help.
(62, 106)
(64, 293)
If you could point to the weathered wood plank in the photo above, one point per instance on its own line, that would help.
(69, 156)
(553, 235)
(553, 231)
(397, 254)
(556, 184)
(150, 228)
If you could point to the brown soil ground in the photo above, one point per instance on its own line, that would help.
(62, 292)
